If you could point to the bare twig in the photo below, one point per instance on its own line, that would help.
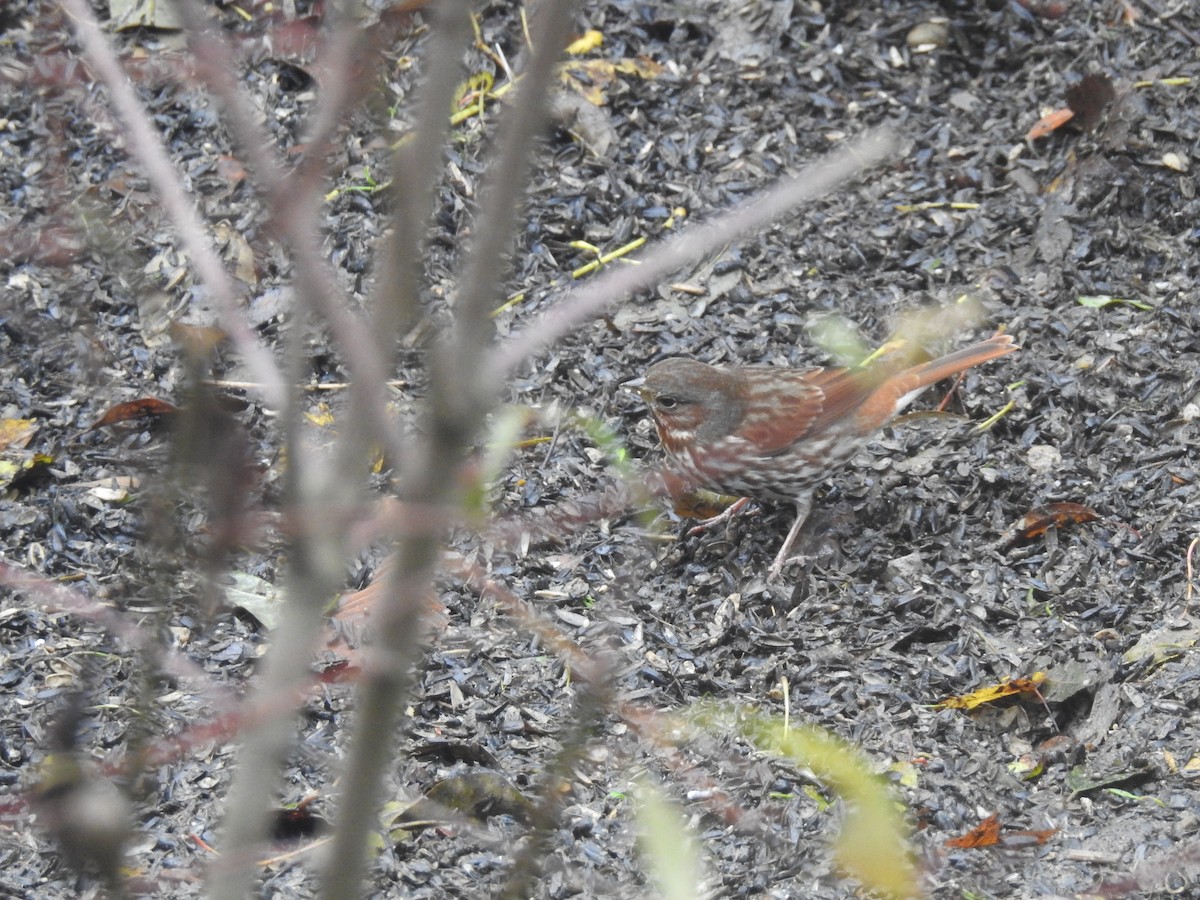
(691, 244)
(145, 144)
(295, 196)
(313, 481)
(458, 402)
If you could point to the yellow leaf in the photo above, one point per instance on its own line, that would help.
(1009, 687)
(322, 417)
(16, 433)
(588, 41)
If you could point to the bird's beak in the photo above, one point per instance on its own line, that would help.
(637, 386)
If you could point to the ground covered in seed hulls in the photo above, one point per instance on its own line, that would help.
(944, 560)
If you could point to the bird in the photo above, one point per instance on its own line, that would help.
(774, 433)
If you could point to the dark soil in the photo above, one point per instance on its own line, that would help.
(916, 583)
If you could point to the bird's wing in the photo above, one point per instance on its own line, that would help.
(781, 406)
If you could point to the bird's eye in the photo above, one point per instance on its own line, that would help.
(667, 403)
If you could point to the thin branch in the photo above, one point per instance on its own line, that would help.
(294, 197)
(689, 245)
(454, 414)
(145, 144)
(522, 126)
(417, 167)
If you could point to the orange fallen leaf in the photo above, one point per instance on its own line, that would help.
(231, 169)
(1041, 519)
(985, 834)
(341, 671)
(1088, 100)
(1049, 123)
(143, 408)
(353, 610)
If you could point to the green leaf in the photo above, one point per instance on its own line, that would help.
(1099, 301)
(1126, 795)
(838, 337)
(670, 850)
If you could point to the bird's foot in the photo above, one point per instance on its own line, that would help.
(724, 516)
(782, 558)
(803, 504)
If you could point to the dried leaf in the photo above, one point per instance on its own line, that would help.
(24, 473)
(1167, 643)
(158, 14)
(985, 834)
(1041, 519)
(1009, 687)
(1049, 123)
(321, 416)
(988, 834)
(16, 433)
(1047, 9)
(197, 341)
(143, 408)
(236, 249)
(591, 77)
(476, 795)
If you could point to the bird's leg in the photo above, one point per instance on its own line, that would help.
(724, 516)
(803, 505)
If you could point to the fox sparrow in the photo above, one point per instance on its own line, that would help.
(774, 434)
